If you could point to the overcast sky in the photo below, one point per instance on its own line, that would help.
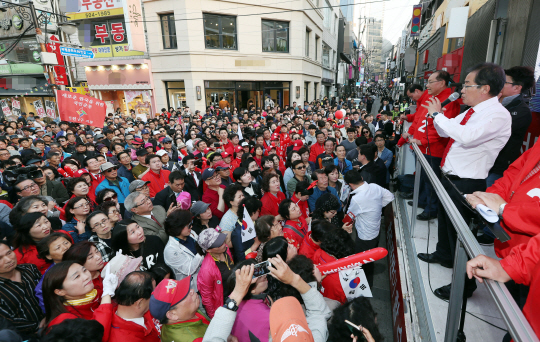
(397, 14)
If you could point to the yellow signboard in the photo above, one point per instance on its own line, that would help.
(95, 14)
(83, 89)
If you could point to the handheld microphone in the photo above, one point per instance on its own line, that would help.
(454, 96)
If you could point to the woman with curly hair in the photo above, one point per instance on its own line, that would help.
(334, 246)
(326, 208)
(358, 311)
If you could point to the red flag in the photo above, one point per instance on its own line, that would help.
(82, 109)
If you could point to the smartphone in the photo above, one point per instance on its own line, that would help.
(261, 269)
(216, 144)
(350, 217)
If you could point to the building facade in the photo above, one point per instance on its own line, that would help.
(329, 48)
(213, 53)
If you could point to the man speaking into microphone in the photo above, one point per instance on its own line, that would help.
(476, 137)
(430, 142)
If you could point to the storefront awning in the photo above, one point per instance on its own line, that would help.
(345, 58)
(119, 75)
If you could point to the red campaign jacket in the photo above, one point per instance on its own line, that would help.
(100, 312)
(270, 203)
(425, 131)
(157, 182)
(523, 265)
(304, 206)
(331, 284)
(521, 217)
(30, 256)
(210, 284)
(293, 237)
(122, 330)
(315, 150)
(229, 148)
(96, 180)
(309, 247)
(413, 117)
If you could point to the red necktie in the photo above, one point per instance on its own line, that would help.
(463, 122)
(155, 220)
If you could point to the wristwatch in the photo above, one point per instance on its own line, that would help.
(501, 210)
(435, 114)
(231, 304)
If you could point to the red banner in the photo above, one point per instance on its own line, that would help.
(82, 109)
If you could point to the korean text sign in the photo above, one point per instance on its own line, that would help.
(81, 109)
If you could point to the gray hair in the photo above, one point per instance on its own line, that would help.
(25, 203)
(129, 202)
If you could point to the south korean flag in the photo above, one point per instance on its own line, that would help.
(248, 227)
(354, 283)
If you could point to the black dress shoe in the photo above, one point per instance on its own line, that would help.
(425, 217)
(433, 259)
(407, 196)
(485, 240)
(444, 292)
(419, 205)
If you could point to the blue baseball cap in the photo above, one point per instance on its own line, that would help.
(145, 131)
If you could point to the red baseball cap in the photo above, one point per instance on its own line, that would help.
(137, 141)
(225, 155)
(167, 294)
(238, 148)
(275, 136)
(298, 144)
(206, 150)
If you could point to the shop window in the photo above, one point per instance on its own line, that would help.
(176, 94)
(275, 36)
(219, 31)
(168, 31)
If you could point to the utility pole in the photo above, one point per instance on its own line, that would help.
(49, 70)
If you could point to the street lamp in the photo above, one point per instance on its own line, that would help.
(68, 28)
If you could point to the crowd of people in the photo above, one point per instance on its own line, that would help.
(157, 230)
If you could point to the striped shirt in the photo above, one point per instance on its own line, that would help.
(18, 304)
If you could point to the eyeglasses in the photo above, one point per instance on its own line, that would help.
(84, 205)
(144, 187)
(113, 197)
(33, 185)
(146, 199)
(101, 223)
(511, 83)
(474, 85)
(301, 168)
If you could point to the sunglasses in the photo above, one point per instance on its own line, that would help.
(113, 197)
(301, 167)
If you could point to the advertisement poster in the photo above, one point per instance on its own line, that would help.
(5, 107)
(16, 107)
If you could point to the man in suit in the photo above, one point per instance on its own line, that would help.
(53, 189)
(385, 106)
(151, 218)
(193, 179)
(167, 196)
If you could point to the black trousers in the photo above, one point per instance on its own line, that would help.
(365, 245)
(446, 246)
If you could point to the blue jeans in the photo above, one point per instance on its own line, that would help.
(490, 180)
(427, 195)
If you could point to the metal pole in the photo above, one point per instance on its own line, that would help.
(416, 194)
(42, 45)
(456, 294)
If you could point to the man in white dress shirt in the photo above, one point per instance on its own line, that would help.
(366, 203)
(476, 137)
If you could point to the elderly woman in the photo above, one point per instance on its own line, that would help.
(266, 227)
(110, 208)
(295, 227)
(33, 204)
(202, 217)
(326, 208)
(181, 252)
(100, 225)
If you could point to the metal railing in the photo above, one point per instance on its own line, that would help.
(468, 247)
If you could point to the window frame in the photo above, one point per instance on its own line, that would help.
(275, 35)
(308, 33)
(220, 17)
(170, 36)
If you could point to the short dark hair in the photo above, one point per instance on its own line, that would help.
(414, 87)
(75, 330)
(368, 151)
(239, 172)
(283, 209)
(231, 281)
(78, 252)
(119, 155)
(136, 285)
(175, 175)
(150, 157)
(521, 75)
(263, 225)
(302, 188)
(379, 136)
(319, 132)
(177, 221)
(252, 204)
(52, 154)
(319, 228)
(351, 129)
(490, 74)
(353, 177)
(339, 244)
(266, 181)
(443, 75)
(230, 193)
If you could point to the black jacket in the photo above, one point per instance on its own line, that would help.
(191, 187)
(371, 173)
(521, 119)
(165, 197)
(79, 156)
(57, 191)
